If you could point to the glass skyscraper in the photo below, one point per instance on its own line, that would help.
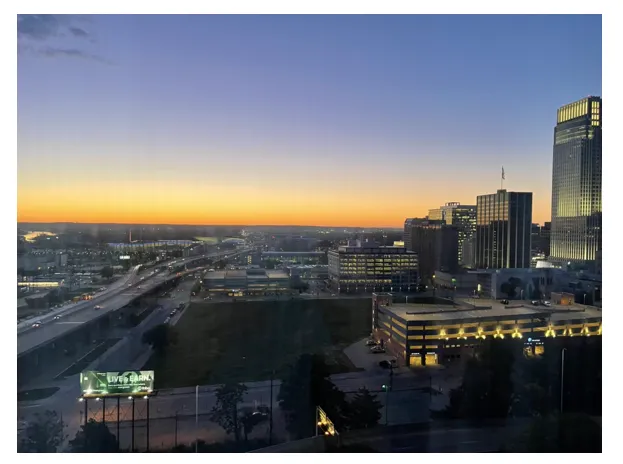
(463, 217)
(503, 230)
(576, 184)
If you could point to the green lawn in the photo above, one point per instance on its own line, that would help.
(247, 340)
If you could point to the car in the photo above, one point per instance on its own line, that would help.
(371, 342)
(332, 294)
(547, 303)
(504, 302)
(166, 321)
(535, 303)
(377, 349)
(97, 307)
(139, 287)
(173, 313)
(57, 317)
(36, 324)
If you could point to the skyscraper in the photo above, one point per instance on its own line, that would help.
(576, 184)
(503, 230)
(463, 217)
(435, 243)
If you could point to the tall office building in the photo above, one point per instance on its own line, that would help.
(463, 217)
(435, 243)
(576, 184)
(503, 230)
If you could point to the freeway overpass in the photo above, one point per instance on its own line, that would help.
(78, 326)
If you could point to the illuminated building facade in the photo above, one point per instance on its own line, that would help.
(371, 268)
(503, 230)
(463, 217)
(576, 184)
(420, 334)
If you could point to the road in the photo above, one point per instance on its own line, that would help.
(113, 300)
(26, 325)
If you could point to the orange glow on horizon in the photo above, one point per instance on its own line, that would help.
(197, 201)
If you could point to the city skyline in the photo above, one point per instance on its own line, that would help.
(289, 120)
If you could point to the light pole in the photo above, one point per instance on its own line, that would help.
(585, 299)
(562, 378)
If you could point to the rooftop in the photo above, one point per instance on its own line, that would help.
(476, 309)
(243, 274)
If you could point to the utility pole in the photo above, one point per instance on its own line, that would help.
(270, 424)
(196, 418)
(176, 419)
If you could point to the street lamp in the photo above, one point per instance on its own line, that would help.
(562, 378)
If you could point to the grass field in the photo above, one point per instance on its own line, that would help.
(245, 341)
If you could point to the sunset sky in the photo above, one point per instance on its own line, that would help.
(310, 120)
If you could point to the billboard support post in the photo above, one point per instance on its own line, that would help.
(118, 435)
(104, 410)
(86, 411)
(147, 399)
(132, 425)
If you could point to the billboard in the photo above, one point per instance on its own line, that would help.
(124, 257)
(116, 383)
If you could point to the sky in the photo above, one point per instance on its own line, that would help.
(294, 120)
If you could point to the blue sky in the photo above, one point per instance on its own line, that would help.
(353, 112)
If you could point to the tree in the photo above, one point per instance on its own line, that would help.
(94, 437)
(249, 420)
(510, 287)
(44, 435)
(487, 388)
(107, 272)
(225, 412)
(306, 387)
(364, 411)
(196, 288)
(160, 337)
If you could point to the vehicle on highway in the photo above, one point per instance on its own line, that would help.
(57, 317)
(167, 320)
(36, 324)
(504, 302)
(535, 303)
(377, 349)
(139, 287)
(97, 307)
(371, 342)
(547, 303)
(332, 294)
(173, 313)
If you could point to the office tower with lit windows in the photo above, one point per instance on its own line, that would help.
(576, 184)
(463, 217)
(367, 267)
(503, 230)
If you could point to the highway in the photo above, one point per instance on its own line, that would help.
(71, 307)
(112, 300)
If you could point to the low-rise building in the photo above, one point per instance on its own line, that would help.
(246, 282)
(441, 331)
(369, 268)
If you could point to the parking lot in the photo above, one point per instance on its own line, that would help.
(362, 357)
